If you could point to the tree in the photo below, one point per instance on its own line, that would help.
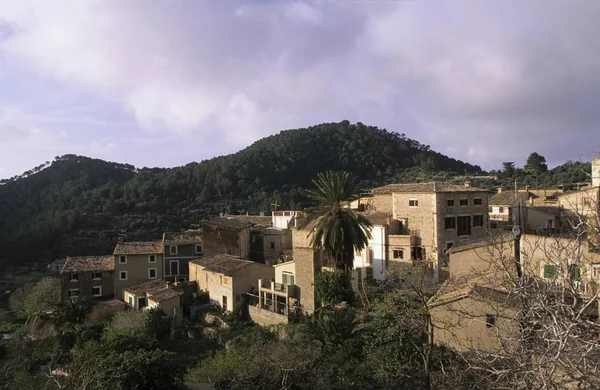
(43, 297)
(536, 163)
(336, 229)
(508, 168)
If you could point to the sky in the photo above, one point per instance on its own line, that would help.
(157, 83)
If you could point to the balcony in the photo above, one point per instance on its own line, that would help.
(271, 287)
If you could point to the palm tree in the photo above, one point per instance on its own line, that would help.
(336, 229)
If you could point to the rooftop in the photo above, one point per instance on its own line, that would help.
(224, 264)
(89, 264)
(486, 286)
(185, 237)
(472, 244)
(378, 218)
(229, 222)
(156, 289)
(424, 188)
(554, 211)
(260, 220)
(139, 248)
(507, 198)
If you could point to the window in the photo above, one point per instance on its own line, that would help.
(198, 248)
(74, 277)
(450, 202)
(449, 245)
(287, 278)
(97, 275)
(152, 259)
(478, 221)
(172, 249)
(575, 272)
(73, 293)
(464, 202)
(413, 203)
(477, 202)
(130, 300)
(549, 223)
(490, 320)
(152, 273)
(224, 302)
(229, 251)
(398, 253)
(122, 259)
(417, 253)
(142, 302)
(96, 291)
(449, 223)
(549, 271)
(596, 271)
(464, 225)
(123, 275)
(500, 209)
(272, 245)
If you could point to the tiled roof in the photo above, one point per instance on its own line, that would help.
(423, 188)
(185, 237)
(253, 219)
(507, 198)
(224, 264)
(378, 218)
(89, 264)
(139, 248)
(229, 223)
(487, 286)
(157, 290)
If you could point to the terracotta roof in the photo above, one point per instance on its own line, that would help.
(89, 264)
(185, 237)
(229, 223)
(486, 286)
(157, 290)
(378, 218)
(253, 219)
(507, 198)
(139, 248)
(224, 264)
(424, 188)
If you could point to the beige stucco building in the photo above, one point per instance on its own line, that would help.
(227, 278)
(154, 294)
(136, 263)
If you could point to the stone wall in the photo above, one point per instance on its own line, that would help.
(382, 203)
(266, 317)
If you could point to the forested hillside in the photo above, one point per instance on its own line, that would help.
(78, 205)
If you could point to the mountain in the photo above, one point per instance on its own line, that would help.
(78, 205)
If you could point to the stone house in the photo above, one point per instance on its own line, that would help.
(136, 263)
(226, 278)
(179, 248)
(226, 236)
(89, 277)
(432, 218)
(154, 294)
(503, 207)
(307, 262)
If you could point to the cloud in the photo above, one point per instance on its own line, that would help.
(484, 82)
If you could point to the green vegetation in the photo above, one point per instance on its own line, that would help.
(338, 230)
(79, 206)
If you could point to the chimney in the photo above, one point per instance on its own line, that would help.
(499, 190)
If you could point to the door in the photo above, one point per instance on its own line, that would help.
(224, 302)
(174, 267)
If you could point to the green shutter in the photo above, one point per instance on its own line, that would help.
(549, 271)
(283, 278)
(292, 279)
(575, 273)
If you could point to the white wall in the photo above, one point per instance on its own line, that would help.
(377, 245)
